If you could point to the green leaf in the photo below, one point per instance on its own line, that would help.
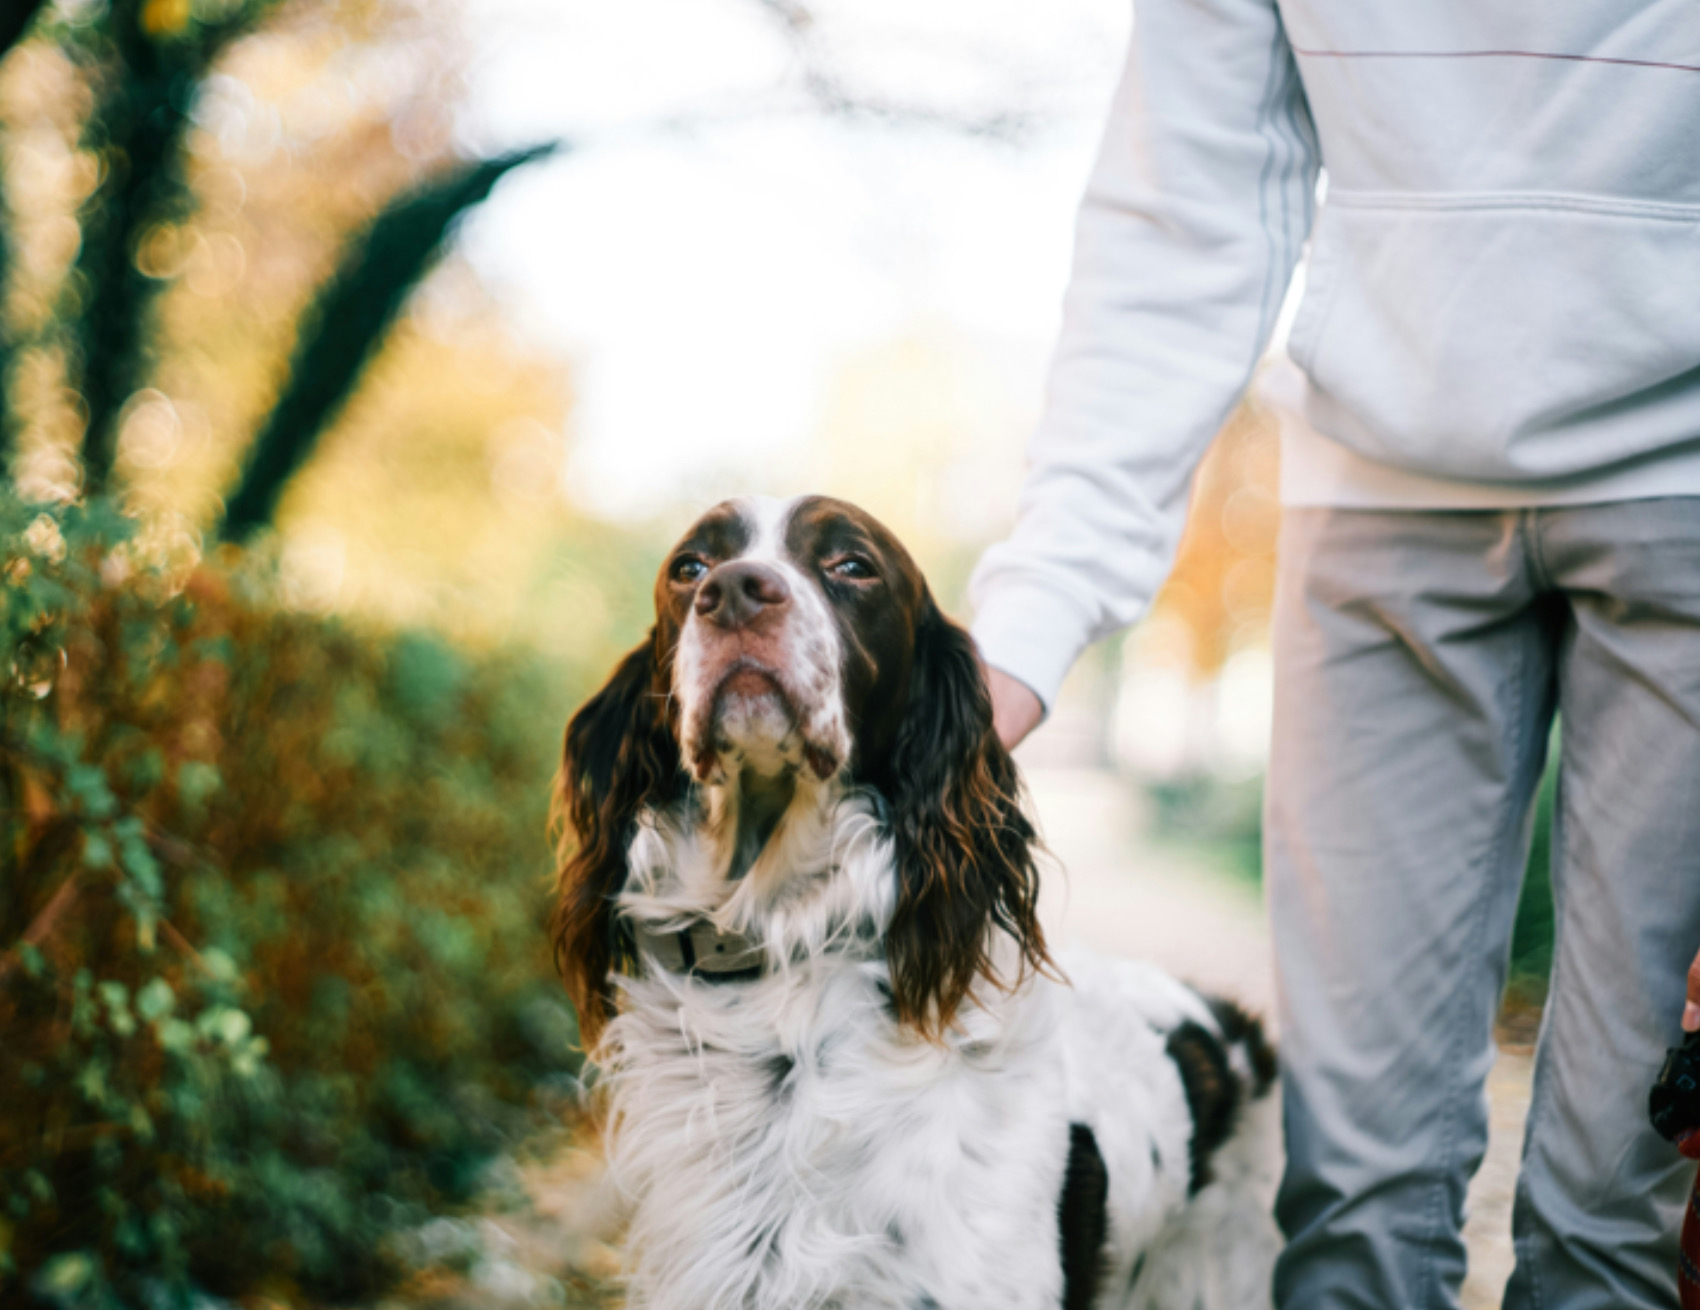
(221, 648)
(156, 1000)
(174, 1035)
(247, 1060)
(196, 782)
(130, 1237)
(147, 769)
(91, 1083)
(219, 965)
(117, 999)
(65, 1275)
(97, 851)
(139, 863)
(88, 787)
(226, 1023)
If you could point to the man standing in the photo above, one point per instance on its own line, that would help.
(1492, 512)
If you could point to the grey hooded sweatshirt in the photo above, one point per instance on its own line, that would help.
(1503, 299)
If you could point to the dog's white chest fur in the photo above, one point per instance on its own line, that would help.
(785, 1143)
(789, 1148)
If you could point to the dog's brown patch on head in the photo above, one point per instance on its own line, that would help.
(922, 720)
(877, 616)
(722, 534)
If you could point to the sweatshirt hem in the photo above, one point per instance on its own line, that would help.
(1319, 473)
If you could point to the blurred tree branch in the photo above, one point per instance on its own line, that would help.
(347, 324)
(155, 57)
(15, 19)
(832, 93)
(821, 85)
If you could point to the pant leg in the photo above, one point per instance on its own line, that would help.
(1599, 1203)
(1414, 686)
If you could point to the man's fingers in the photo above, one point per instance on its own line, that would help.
(1691, 1011)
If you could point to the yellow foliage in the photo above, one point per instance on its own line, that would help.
(165, 17)
(1224, 577)
(436, 493)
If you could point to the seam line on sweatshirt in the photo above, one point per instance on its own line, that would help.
(1304, 132)
(1312, 53)
(1286, 149)
(1265, 128)
(1663, 211)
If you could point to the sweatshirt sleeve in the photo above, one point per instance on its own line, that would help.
(1197, 209)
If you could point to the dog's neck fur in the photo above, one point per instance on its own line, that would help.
(788, 860)
(760, 804)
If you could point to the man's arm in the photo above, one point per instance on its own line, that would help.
(1016, 711)
(1194, 218)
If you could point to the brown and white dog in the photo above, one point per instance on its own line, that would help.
(798, 918)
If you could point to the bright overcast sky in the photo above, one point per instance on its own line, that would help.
(717, 246)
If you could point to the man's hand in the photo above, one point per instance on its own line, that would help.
(1691, 1011)
(1016, 711)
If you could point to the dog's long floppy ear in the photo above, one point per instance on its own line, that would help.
(619, 756)
(964, 848)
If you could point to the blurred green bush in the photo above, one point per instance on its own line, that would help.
(1534, 930)
(275, 984)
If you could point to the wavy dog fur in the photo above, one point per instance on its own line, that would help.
(963, 847)
(618, 759)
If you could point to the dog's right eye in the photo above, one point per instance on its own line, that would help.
(687, 569)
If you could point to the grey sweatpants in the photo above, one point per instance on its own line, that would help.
(1419, 658)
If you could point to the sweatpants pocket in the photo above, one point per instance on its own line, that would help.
(1494, 339)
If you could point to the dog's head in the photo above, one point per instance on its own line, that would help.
(796, 642)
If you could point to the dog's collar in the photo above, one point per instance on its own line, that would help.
(702, 951)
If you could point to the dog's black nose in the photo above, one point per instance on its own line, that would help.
(734, 595)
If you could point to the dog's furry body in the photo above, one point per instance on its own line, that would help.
(786, 1137)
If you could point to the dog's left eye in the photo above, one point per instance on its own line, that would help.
(687, 568)
(853, 568)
